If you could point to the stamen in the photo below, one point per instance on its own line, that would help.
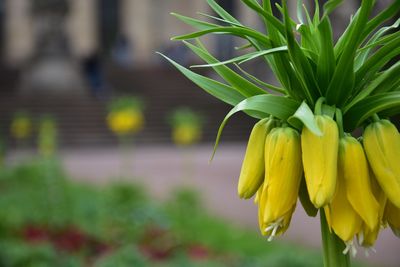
(368, 250)
(273, 227)
(350, 247)
(360, 238)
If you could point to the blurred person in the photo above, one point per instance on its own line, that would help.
(94, 73)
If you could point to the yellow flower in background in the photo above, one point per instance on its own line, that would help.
(124, 122)
(382, 146)
(283, 173)
(253, 166)
(186, 135)
(21, 126)
(186, 126)
(320, 160)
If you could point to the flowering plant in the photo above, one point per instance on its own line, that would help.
(303, 144)
(125, 115)
(186, 126)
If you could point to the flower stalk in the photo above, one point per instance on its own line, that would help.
(333, 246)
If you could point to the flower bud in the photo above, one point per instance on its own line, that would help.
(382, 146)
(282, 179)
(320, 160)
(252, 172)
(358, 185)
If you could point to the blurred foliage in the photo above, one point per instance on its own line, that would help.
(47, 135)
(48, 220)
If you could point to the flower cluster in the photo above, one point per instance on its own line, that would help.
(356, 183)
(302, 145)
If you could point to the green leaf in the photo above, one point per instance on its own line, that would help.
(277, 106)
(198, 24)
(375, 40)
(369, 106)
(326, 63)
(391, 11)
(268, 17)
(391, 75)
(220, 11)
(219, 90)
(221, 20)
(242, 85)
(303, 70)
(246, 57)
(240, 32)
(299, 11)
(342, 83)
(377, 61)
(330, 6)
(304, 116)
(262, 83)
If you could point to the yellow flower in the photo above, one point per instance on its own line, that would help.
(186, 135)
(340, 214)
(382, 146)
(21, 127)
(283, 173)
(126, 121)
(320, 160)
(253, 169)
(367, 236)
(358, 184)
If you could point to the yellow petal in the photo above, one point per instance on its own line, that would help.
(357, 180)
(320, 160)
(252, 171)
(343, 219)
(382, 146)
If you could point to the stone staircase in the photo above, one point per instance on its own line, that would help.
(81, 120)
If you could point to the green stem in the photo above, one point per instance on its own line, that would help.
(339, 121)
(318, 106)
(375, 118)
(332, 246)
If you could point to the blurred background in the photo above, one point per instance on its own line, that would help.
(105, 146)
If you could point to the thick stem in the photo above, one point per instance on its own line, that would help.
(333, 247)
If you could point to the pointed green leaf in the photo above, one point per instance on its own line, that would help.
(198, 24)
(277, 106)
(242, 85)
(220, 11)
(304, 116)
(376, 85)
(331, 5)
(326, 60)
(391, 11)
(219, 90)
(342, 83)
(246, 57)
(240, 32)
(369, 106)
